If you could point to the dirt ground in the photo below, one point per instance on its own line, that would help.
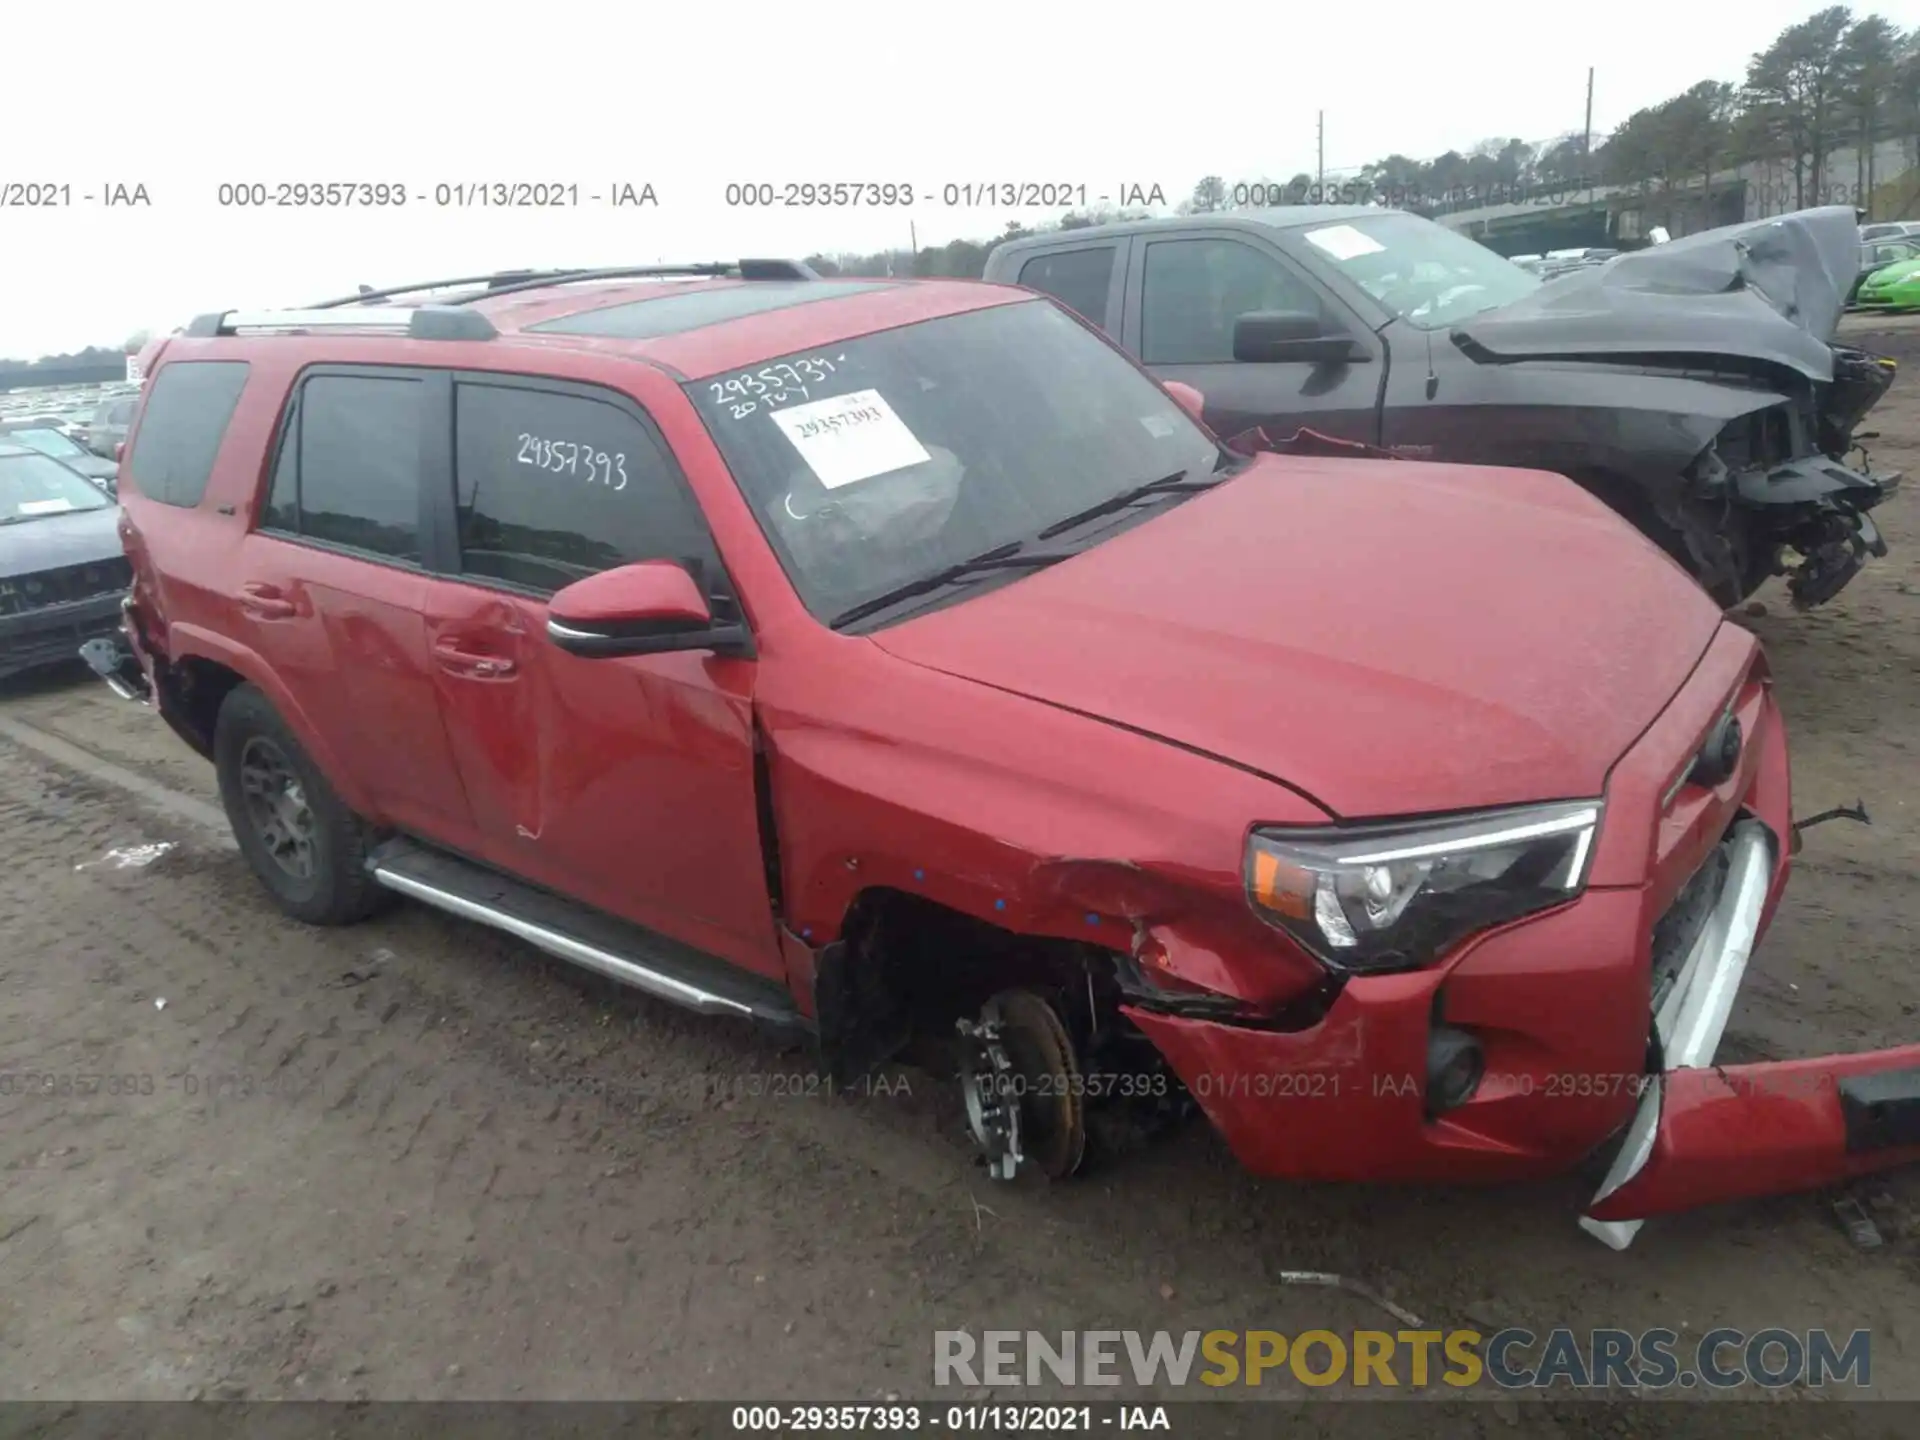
(415, 1159)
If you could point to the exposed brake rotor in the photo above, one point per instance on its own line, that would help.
(1024, 1092)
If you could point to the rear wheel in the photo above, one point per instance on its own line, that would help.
(302, 842)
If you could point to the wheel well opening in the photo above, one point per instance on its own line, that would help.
(196, 689)
(906, 969)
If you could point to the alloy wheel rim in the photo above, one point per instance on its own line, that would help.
(277, 808)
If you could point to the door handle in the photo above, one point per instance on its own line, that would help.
(462, 661)
(264, 602)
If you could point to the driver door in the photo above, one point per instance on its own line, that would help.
(1185, 296)
(624, 783)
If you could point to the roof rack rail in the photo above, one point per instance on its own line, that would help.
(419, 322)
(367, 295)
(528, 279)
(717, 270)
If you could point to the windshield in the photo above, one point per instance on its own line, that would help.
(48, 441)
(883, 460)
(35, 486)
(1426, 274)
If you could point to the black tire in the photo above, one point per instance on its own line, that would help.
(315, 868)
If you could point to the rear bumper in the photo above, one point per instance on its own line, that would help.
(52, 635)
(117, 659)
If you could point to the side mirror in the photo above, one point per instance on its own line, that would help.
(1188, 398)
(1272, 336)
(649, 608)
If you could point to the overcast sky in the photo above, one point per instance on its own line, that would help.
(184, 96)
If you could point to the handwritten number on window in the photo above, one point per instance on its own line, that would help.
(771, 385)
(565, 457)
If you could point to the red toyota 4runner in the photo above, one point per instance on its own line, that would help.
(883, 658)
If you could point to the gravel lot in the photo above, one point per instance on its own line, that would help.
(416, 1160)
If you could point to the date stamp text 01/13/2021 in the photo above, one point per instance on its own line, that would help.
(391, 194)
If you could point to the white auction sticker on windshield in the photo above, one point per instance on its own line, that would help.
(1343, 242)
(845, 438)
(45, 507)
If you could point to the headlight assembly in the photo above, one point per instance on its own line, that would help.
(1393, 896)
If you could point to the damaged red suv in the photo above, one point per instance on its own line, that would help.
(885, 660)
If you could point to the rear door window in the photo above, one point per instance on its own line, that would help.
(1081, 280)
(552, 486)
(348, 471)
(189, 404)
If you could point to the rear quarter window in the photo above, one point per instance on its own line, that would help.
(188, 406)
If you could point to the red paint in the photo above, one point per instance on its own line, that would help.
(651, 590)
(1378, 660)
(1079, 753)
(1191, 400)
(1747, 1130)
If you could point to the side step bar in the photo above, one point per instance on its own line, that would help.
(621, 951)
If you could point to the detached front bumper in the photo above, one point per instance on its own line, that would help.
(1576, 1049)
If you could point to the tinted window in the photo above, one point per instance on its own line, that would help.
(552, 488)
(675, 311)
(1078, 279)
(283, 500)
(876, 461)
(188, 406)
(1196, 289)
(356, 445)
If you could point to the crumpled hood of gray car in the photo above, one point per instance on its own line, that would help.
(1767, 290)
(51, 541)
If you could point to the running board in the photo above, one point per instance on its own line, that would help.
(617, 949)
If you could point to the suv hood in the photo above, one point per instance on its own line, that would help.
(1767, 290)
(73, 537)
(1388, 638)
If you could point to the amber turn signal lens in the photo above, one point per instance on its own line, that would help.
(1282, 888)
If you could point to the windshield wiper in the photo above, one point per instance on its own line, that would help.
(1165, 485)
(1013, 555)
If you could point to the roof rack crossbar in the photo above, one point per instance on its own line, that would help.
(418, 322)
(718, 270)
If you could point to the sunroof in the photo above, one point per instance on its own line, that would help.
(673, 314)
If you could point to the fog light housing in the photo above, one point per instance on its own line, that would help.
(1455, 1066)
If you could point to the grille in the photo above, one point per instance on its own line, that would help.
(24, 593)
(1676, 930)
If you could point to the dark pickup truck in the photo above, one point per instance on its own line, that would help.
(1695, 386)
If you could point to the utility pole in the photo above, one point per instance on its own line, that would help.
(1586, 145)
(1320, 161)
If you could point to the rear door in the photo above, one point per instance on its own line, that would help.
(1184, 295)
(1088, 279)
(333, 587)
(625, 783)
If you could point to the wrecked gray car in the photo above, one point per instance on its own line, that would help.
(1695, 386)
